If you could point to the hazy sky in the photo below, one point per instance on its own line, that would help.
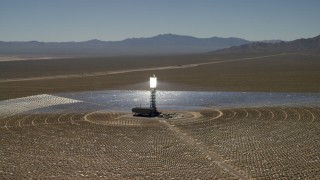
(79, 20)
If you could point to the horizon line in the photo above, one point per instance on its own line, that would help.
(141, 37)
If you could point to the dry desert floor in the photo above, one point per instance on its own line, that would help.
(57, 141)
(295, 72)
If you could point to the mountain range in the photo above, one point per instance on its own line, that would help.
(164, 44)
(157, 45)
(299, 45)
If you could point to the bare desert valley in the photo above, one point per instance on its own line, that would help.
(48, 132)
(159, 90)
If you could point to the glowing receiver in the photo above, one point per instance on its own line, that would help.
(153, 82)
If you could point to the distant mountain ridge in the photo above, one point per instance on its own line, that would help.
(299, 45)
(157, 45)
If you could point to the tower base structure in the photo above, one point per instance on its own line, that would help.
(145, 111)
(148, 112)
(152, 110)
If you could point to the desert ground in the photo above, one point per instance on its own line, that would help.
(297, 72)
(51, 139)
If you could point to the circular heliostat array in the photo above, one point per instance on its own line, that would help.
(118, 119)
(128, 119)
(53, 137)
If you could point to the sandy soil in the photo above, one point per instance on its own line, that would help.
(183, 66)
(22, 58)
(283, 73)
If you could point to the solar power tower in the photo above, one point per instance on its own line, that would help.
(153, 86)
(152, 110)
